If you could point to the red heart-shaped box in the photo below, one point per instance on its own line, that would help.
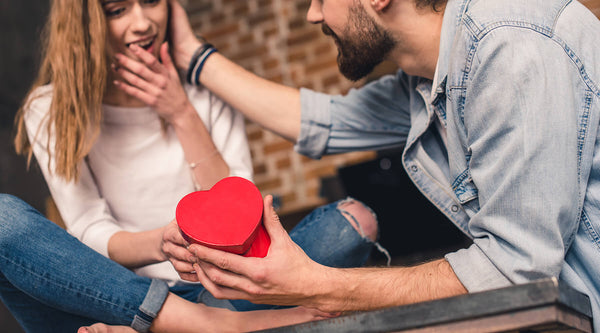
(226, 217)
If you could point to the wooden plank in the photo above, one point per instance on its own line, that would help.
(548, 319)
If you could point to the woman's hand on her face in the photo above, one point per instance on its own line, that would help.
(154, 83)
(183, 40)
(174, 248)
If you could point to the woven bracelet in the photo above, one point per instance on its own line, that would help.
(197, 62)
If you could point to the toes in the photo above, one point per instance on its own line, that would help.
(103, 328)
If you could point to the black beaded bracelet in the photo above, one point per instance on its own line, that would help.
(197, 62)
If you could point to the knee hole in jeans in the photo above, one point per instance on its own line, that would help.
(360, 217)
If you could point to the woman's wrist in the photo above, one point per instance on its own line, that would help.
(183, 54)
(185, 117)
(197, 62)
(136, 249)
(159, 255)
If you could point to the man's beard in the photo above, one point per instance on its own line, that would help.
(360, 51)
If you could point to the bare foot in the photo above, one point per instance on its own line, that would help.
(242, 321)
(259, 320)
(102, 328)
(179, 315)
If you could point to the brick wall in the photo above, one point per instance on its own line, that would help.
(272, 39)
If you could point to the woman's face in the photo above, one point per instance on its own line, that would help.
(141, 22)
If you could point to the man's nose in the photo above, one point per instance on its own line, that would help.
(315, 14)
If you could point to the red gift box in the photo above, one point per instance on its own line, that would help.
(227, 217)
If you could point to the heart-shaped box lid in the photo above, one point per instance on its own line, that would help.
(226, 217)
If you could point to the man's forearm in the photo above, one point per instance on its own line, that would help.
(271, 105)
(360, 289)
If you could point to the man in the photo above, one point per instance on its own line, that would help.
(497, 105)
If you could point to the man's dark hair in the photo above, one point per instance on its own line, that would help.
(437, 5)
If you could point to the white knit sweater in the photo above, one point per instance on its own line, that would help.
(136, 173)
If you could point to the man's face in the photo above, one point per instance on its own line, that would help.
(362, 43)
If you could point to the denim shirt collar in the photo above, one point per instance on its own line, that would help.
(452, 16)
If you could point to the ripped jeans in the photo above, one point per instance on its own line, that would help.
(52, 282)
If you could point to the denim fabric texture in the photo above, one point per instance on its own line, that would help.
(52, 282)
(516, 164)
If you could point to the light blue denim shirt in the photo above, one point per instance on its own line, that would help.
(516, 165)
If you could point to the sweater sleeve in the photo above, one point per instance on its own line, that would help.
(85, 213)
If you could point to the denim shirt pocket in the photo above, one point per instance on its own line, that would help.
(464, 188)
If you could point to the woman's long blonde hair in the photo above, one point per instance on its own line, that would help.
(74, 62)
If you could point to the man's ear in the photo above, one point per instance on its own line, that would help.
(380, 5)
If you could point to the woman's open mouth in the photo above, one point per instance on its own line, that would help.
(146, 44)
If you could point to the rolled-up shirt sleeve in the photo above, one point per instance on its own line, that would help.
(373, 117)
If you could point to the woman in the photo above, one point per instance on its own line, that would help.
(117, 161)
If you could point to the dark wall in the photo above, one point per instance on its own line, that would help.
(20, 26)
(411, 228)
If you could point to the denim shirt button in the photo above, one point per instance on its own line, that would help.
(414, 168)
(454, 208)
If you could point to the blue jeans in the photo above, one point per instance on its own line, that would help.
(50, 281)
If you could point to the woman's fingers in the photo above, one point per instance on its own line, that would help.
(191, 277)
(149, 70)
(157, 85)
(177, 252)
(147, 58)
(136, 81)
(173, 235)
(182, 266)
(135, 92)
(165, 58)
(225, 261)
(175, 247)
(135, 67)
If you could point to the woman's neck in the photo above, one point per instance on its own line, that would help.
(117, 97)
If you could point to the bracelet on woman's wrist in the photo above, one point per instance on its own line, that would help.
(193, 166)
(197, 62)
